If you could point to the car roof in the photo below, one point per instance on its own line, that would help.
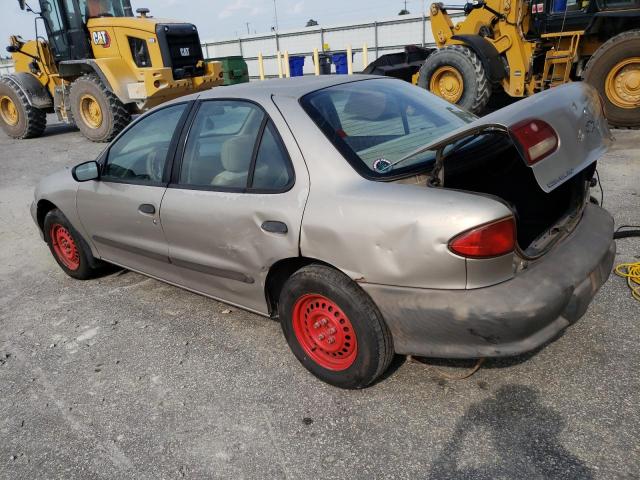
(295, 87)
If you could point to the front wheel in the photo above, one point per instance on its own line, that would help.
(18, 118)
(333, 328)
(456, 74)
(68, 248)
(614, 70)
(97, 112)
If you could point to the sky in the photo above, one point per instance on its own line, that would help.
(226, 19)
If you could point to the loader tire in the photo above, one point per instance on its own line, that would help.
(614, 70)
(97, 112)
(18, 118)
(456, 74)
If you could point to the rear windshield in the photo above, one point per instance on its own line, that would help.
(375, 123)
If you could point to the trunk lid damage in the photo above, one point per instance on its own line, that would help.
(573, 110)
(547, 196)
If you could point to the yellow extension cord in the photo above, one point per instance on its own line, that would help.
(630, 271)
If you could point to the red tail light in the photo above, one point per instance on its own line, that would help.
(486, 241)
(537, 139)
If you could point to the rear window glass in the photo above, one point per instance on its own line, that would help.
(375, 123)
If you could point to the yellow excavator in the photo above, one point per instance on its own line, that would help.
(94, 63)
(524, 46)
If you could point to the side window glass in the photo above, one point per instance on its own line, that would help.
(140, 154)
(220, 144)
(272, 170)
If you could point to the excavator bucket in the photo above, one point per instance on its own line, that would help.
(403, 65)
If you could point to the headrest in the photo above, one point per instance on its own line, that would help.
(236, 153)
(367, 105)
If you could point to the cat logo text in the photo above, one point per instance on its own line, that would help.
(101, 37)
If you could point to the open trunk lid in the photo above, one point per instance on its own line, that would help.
(575, 113)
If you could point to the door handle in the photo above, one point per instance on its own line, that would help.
(273, 226)
(147, 209)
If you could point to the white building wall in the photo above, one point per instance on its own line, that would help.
(381, 37)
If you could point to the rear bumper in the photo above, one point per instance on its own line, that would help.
(509, 318)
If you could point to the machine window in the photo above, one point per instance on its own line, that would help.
(140, 154)
(220, 146)
(105, 8)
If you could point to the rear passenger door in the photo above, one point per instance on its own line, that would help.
(235, 202)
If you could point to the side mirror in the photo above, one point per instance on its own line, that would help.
(22, 4)
(12, 49)
(86, 171)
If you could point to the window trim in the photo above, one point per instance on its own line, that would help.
(173, 144)
(174, 181)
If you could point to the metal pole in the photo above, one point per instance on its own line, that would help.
(316, 61)
(349, 60)
(365, 56)
(287, 69)
(275, 14)
(261, 66)
(279, 60)
(375, 31)
(424, 28)
(240, 45)
(322, 39)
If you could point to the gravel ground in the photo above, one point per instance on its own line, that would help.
(126, 377)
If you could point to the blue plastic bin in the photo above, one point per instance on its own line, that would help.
(559, 6)
(340, 61)
(296, 66)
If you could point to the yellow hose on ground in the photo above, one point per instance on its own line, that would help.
(630, 271)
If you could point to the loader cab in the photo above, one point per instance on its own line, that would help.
(554, 16)
(66, 24)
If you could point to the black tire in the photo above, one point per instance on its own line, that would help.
(373, 346)
(31, 121)
(607, 56)
(114, 114)
(87, 265)
(476, 89)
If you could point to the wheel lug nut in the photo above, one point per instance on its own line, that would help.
(316, 325)
(332, 330)
(321, 337)
(323, 322)
(331, 340)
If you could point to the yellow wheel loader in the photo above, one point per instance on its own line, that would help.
(95, 64)
(523, 47)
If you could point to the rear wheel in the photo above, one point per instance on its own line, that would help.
(97, 112)
(17, 117)
(333, 328)
(456, 74)
(68, 248)
(614, 70)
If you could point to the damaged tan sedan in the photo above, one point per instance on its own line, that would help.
(368, 215)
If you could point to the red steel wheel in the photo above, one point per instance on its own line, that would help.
(64, 246)
(324, 332)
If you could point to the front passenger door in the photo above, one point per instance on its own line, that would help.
(121, 209)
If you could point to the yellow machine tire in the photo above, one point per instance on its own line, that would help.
(18, 118)
(96, 111)
(614, 70)
(454, 65)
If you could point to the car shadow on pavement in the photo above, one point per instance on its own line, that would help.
(523, 434)
(58, 129)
